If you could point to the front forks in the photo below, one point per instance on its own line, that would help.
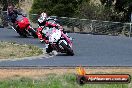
(67, 39)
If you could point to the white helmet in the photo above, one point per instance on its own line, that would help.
(43, 17)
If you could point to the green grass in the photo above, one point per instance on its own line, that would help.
(54, 81)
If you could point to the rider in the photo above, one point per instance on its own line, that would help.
(43, 21)
(12, 14)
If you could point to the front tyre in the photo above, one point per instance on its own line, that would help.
(68, 50)
(33, 32)
(49, 49)
(22, 34)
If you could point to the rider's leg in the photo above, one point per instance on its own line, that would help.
(39, 33)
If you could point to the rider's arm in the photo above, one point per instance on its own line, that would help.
(52, 24)
(17, 12)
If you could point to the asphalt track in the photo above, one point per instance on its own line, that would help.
(90, 50)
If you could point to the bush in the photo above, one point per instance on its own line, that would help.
(94, 12)
(34, 17)
(55, 7)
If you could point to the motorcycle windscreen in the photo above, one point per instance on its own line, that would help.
(19, 18)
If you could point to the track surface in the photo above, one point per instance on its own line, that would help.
(90, 50)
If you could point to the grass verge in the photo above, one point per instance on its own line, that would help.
(53, 81)
(11, 50)
(54, 78)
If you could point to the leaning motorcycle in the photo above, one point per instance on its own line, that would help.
(23, 27)
(58, 41)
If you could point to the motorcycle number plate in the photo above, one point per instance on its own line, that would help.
(55, 36)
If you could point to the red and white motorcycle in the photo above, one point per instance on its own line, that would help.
(58, 41)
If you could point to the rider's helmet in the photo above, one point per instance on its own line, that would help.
(43, 17)
(10, 8)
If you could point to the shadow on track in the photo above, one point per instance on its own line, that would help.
(62, 54)
(17, 36)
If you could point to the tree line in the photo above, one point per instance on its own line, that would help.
(113, 10)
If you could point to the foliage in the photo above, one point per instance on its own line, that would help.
(71, 8)
(113, 10)
(55, 7)
(92, 11)
(5, 3)
(123, 8)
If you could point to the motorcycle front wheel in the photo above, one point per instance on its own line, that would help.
(33, 33)
(68, 50)
(49, 49)
(23, 34)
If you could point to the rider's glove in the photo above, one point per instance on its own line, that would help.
(46, 41)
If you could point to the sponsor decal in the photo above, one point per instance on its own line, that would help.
(83, 77)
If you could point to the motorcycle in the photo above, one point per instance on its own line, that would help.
(58, 41)
(23, 27)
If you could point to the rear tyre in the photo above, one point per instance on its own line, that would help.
(68, 49)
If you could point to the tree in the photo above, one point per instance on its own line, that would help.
(55, 7)
(107, 3)
(123, 7)
(91, 11)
